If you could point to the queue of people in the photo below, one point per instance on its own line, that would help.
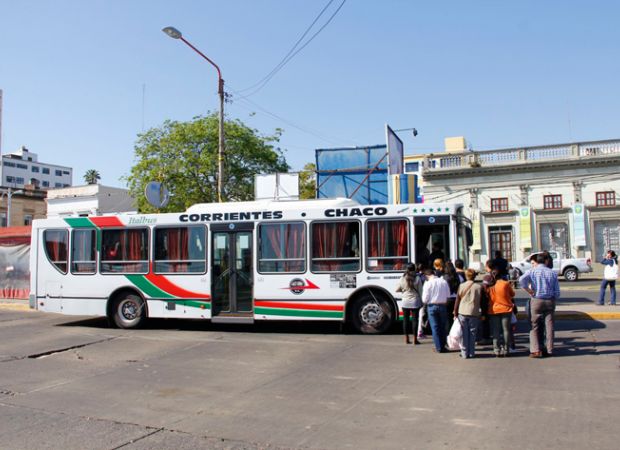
(448, 293)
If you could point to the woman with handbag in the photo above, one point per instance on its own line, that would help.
(610, 275)
(410, 285)
(467, 312)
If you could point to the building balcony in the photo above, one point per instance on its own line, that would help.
(579, 153)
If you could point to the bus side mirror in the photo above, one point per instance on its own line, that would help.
(469, 237)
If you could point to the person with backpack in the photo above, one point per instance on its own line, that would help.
(410, 285)
(610, 275)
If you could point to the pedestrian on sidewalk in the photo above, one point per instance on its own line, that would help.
(501, 305)
(410, 285)
(542, 284)
(610, 275)
(435, 295)
(453, 280)
(467, 312)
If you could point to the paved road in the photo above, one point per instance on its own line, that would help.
(71, 383)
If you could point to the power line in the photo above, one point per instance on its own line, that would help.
(262, 83)
(291, 50)
(315, 133)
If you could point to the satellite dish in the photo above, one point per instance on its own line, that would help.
(156, 194)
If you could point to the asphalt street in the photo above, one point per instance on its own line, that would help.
(73, 383)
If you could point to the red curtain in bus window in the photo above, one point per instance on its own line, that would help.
(178, 249)
(330, 241)
(56, 248)
(377, 242)
(135, 245)
(399, 234)
(294, 244)
(274, 236)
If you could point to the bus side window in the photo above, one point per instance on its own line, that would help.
(83, 252)
(56, 242)
(335, 246)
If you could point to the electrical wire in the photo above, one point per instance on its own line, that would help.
(315, 133)
(262, 83)
(290, 51)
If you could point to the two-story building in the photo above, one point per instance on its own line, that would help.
(556, 197)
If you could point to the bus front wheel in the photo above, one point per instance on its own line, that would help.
(129, 311)
(372, 314)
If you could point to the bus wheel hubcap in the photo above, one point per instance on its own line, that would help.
(129, 310)
(372, 314)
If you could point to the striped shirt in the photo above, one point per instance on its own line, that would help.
(543, 281)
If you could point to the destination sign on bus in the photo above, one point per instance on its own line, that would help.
(355, 212)
(232, 216)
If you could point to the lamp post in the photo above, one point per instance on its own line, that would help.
(9, 195)
(176, 34)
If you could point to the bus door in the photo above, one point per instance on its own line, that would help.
(232, 271)
(432, 237)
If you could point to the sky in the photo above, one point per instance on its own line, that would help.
(81, 79)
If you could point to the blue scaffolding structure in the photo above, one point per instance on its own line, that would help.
(360, 173)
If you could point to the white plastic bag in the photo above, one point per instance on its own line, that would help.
(455, 337)
(611, 272)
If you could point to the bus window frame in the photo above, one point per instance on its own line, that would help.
(368, 258)
(97, 256)
(153, 243)
(306, 250)
(66, 230)
(148, 250)
(361, 243)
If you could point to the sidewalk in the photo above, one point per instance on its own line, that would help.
(566, 309)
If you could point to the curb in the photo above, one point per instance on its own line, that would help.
(579, 315)
(15, 307)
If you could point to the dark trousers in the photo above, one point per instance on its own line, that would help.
(413, 314)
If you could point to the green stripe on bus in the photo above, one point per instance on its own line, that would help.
(298, 312)
(80, 222)
(147, 287)
(197, 304)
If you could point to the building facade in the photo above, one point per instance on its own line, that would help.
(559, 197)
(22, 168)
(25, 205)
(91, 199)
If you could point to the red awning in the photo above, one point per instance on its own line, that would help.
(15, 235)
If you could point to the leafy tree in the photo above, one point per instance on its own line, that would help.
(183, 156)
(92, 176)
(307, 182)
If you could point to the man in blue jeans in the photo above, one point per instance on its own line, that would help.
(435, 295)
(542, 284)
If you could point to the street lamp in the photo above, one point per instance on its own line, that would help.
(9, 195)
(176, 34)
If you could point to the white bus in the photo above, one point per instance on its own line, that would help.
(330, 259)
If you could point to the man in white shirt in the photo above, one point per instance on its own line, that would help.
(435, 295)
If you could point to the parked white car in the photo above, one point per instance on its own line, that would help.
(569, 268)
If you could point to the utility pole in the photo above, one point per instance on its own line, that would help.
(176, 34)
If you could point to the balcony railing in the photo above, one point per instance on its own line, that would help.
(510, 156)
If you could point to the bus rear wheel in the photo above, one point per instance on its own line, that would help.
(372, 314)
(129, 311)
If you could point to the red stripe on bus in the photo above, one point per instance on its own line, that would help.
(106, 222)
(167, 286)
(270, 304)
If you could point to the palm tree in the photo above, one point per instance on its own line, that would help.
(92, 176)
